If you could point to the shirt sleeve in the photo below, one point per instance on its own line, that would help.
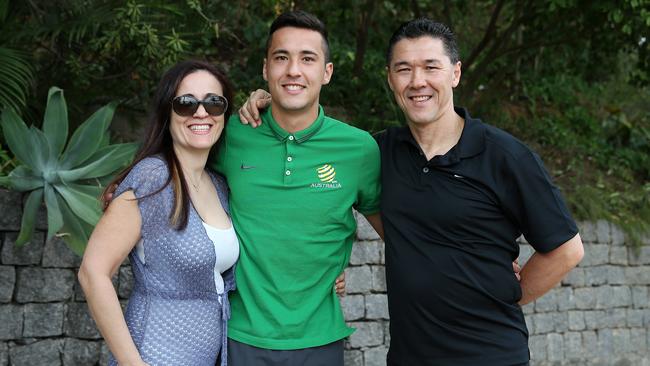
(369, 190)
(536, 204)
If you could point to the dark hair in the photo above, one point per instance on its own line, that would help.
(300, 19)
(424, 27)
(158, 139)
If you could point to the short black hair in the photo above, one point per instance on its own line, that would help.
(425, 27)
(300, 19)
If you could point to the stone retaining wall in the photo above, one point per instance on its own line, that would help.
(600, 315)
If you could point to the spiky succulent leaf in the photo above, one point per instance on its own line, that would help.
(29, 216)
(18, 137)
(55, 121)
(21, 179)
(105, 161)
(54, 218)
(85, 206)
(88, 137)
(41, 151)
(74, 232)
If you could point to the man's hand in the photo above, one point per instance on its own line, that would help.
(516, 268)
(108, 197)
(249, 113)
(339, 284)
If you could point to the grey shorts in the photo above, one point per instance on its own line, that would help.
(241, 354)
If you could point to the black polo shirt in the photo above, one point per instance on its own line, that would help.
(451, 225)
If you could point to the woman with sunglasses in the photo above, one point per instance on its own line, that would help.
(170, 216)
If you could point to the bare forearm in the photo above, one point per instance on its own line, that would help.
(107, 312)
(545, 270)
(375, 221)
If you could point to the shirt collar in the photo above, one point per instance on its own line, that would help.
(300, 136)
(472, 140)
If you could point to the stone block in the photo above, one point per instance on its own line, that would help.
(622, 296)
(543, 323)
(547, 303)
(44, 284)
(358, 279)
(618, 255)
(7, 282)
(353, 307)
(376, 306)
(565, 299)
(46, 352)
(378, 278)
(589, 344)
(538, 345)
(605, 343)
(603, 232)
(640, 297)
(616, 275)
(637, 275)
(368, 334)
(11, 206)
(79, 323)
(57, 254)
(103, 355)
(555, 350)
(635, 318)
(576, 320)
(387, 333)
(616, 318)
(575, 278)
(525, 252)
(43, 320)
(622, 345)
(595, 319)
(29, 253)
(375, 356)
(618, 235)
(125, 282)
(572, 346)
(11, 322)
(366, 252)
(80, 353)
(613, 296)
(528, 308)
(585, 298)
(561, 321)
(595, 255)
(638, 341)
(640, 256)
(364, 230)
(587, 231)
(596, 276)
(353, 358)
(4, 354)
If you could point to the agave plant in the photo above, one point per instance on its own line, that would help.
(67, 176)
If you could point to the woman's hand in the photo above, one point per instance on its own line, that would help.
(339, 284)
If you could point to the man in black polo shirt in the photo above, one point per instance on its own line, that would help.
(457, 193)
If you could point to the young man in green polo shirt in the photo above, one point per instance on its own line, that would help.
(294, 182)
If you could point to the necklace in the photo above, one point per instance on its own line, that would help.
(198, 185)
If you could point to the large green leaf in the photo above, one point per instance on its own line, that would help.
(22, 179)
(19, 138)
(41, 152)
(85, 206)
(54, 217)
(105, 161)
(16, 74)
(74, 232)
(29, 217)
(88, 137)
(55, 121)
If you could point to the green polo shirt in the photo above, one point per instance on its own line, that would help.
(291, 202)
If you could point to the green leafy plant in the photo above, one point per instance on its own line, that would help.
(66, 176)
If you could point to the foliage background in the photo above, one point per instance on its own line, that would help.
(569, 77)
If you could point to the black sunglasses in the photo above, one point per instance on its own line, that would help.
(186, 105)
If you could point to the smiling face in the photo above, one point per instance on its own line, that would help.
(295, 69)
(422, 79)
(199, 131)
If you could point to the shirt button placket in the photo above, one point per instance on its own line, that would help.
(288, 161)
